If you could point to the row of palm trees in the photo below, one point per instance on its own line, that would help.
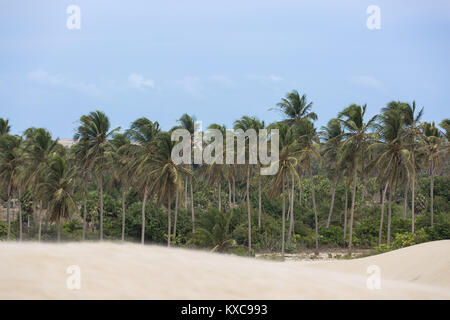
(394, 146)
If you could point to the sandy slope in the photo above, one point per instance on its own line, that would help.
(131, 271)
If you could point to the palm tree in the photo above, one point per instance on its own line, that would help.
(215, 173)
(38, 146)
(411, 134)
(4, 127)
(246, 123)
(58, 185)
(445, 124)
(431, 138)
(122, 175)
(332, 136)
(214, 231)
(296, 108)
(188, 122)
(393, 158)
(288, 164)
(94, 131)
(143, 133)
(10, 161)
(347, 175)
(23, 182)
(309, 150)
(355, 137)
(166, 175)
(80, 151)
(288, 143)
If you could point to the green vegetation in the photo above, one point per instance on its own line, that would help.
(380, 183)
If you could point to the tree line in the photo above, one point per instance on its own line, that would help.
(390, 150)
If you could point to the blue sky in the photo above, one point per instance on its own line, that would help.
(217, 59)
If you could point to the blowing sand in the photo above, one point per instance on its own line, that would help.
(132, 271)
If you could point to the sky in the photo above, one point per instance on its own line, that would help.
(217, 59)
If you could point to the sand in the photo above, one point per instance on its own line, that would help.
(131, 271)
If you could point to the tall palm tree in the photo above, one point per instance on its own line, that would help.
(393, 158)
(215, 173)
(289, 144)
(288, 163)
(167, 176)
(94, 131)
(332, 136)
(188, 122)
(122, 175)
(80, 151)
(296, 108)
(355, 136)
(245, 123)
(11, 159)
(411, 134)
(432, 141)
(347, 175)
(58, 185)
(143, 133)
(38, 146)
(309, 150)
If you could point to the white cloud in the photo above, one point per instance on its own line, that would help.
(367, 82)
(191, 85)
(43, 77)
(221, 79)
(138, 81)
(264, 78)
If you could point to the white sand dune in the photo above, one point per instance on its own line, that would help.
(131, 271)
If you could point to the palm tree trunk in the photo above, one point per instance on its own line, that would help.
(345, 211)
(383, 197)
(144, 201)
(101, 206)
(291, 215)
(248, 211)
(59, 229)
(352, 208)
(283, 213)
(192, 204)
(123, 215)
(234, 190)
(288, 188)
(40, 222)
(332, 201)
(220, 196)
(8, 217)
(405, 200)
(259, 202)
(413, 194)
(169, 213)
(316, 251)
(229, 193)
(389, 216)
(363, 175)
(300, 195)
(186, 193)
(83, 237)
(46, 216)
(176, 215)
(432, 194)
(20, 218)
